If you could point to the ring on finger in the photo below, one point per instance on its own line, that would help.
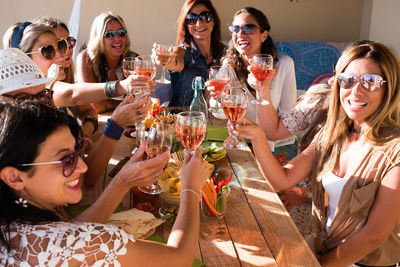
(138, 112)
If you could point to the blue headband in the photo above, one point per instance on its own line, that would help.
(18, 33)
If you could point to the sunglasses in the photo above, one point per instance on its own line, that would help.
(371, 82)
(68, 162)
(45, 97)
(111, 34)
(204, 17)
(246, 29)
(49, 51)
(71, 42)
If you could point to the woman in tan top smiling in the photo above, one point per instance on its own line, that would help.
(354, 162)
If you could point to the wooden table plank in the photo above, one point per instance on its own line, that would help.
(285, 241)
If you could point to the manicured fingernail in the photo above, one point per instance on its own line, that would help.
(235, 132)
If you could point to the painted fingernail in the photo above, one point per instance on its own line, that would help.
(235, 132)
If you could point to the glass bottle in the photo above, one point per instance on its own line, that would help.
(198, 102)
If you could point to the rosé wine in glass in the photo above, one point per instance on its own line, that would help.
(158, 141)
(191, 128)
(164, 54)
(234, 112)
(234, 105)
(218, 79)
(128, 66)
(261, 67)
(261, 73)
(144, 66)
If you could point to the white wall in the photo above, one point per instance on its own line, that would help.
(155, 20)
(385, 23)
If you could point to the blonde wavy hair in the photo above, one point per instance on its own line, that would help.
(383, 125)
(95, 47)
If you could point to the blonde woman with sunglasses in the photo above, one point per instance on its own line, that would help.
(85, 113)
(108, 44)
(353, 162)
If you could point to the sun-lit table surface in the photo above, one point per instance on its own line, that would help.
(256, 229)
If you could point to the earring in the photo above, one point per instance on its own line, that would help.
(22, 202)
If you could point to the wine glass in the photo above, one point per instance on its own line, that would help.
(191, 128)
(128, 66)
(144, 66)
(158, 141)
(218, 77)
(138, 90)
(261, 67)
(234, 105)
(164, 53)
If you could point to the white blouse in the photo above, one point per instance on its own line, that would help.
(58, 243)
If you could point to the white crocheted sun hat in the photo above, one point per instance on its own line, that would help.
(18, 71)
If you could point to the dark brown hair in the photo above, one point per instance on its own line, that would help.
(267, 47)
(184, 37)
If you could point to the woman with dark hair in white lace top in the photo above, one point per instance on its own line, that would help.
(37, 180)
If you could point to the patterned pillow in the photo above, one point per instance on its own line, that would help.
(311, 59)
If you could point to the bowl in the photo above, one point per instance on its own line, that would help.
(168, 214)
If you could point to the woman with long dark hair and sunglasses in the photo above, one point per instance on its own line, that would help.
(353, 161)
(199, 34)
(108, 44)
(37, 181)
(250, 36)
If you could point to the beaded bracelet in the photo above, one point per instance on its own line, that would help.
(110, 89)
(190, 190)
(113, 130)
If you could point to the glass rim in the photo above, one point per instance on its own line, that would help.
(191, 114)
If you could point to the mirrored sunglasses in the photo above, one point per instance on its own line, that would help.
(71, 42)
(69, 162)
(111, 34)
(204, 17)
(370, 82)
(44, 97)
(49, 51)
(246, 29)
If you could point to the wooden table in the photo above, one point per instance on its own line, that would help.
(256, 229)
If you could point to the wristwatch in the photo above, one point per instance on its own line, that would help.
(92, 120)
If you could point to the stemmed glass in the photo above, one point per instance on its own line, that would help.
(164, 53)
(128, 66)
(158, 141)
(138, 90)
(144, 66)
(261, 66)
(218, 78)
(234, 105)
(191, 128)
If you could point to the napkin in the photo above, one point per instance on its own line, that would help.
(159, 239)
(217, 133)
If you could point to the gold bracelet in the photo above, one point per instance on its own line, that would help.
(190, 190)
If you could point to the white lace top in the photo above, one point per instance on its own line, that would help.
(64, 243)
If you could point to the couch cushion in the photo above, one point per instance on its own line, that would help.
(311, 59)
